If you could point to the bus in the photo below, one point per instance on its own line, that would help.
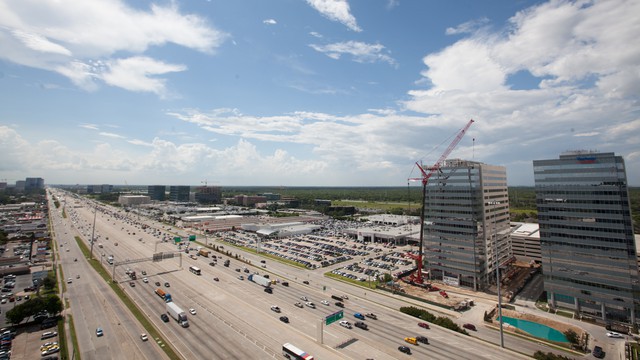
(291, 352)
(195, 270)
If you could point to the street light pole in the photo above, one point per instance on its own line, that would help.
(495, 241)
(93, 232)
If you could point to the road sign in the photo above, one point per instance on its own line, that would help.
(330, 319)
(177, 239)
(192, 238)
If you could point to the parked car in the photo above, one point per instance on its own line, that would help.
(469, 327)
(598, 352)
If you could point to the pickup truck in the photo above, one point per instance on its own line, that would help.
(371, 316)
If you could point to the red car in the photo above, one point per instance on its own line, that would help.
(423, 325)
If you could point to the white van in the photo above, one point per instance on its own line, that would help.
(48, 334)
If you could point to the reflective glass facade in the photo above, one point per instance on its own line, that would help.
(586, 235)
(466, 221)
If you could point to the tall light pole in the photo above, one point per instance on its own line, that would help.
(93, 232)
(495, 242)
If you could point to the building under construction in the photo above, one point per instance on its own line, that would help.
(467, 224)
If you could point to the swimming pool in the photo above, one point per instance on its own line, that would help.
(535, 329)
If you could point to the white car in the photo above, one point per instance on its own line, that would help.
(325, 302)
(345, 323)
(144, 337)
(145, 280)
(310, 304)
(192, 311)
(69, 281)
(275, 308)
(614, 335)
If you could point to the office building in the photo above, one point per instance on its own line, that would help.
(33, 184)
(208, 195)
(467, 224)
(586, 235)
(179, 193)
(157, 192)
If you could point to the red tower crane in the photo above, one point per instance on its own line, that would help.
(427, 172)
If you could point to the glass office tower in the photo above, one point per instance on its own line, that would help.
(467, 223)
(586, 235)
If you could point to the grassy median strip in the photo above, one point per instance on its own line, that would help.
(74, 339)
(139, 315)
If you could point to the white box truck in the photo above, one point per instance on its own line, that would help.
(177, 314)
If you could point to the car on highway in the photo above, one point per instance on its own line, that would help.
(305, 282)
(167, 284)
(299, 305)
(612, 334)
(268, 290)
(372, 316)
(69, 281)
(164, 317)
(325, 302)
(212, 264)
(345, 323)
(144, 272)
(285, 283)
(422, 339)
(359, 316)
(339, 304)
(275, 308)
(304, 298)
(99, 332)
(216, 279)
(404, 349)
(145, 280)
(144, 337)
(310, 304)
(361, 325)
(240, 277)
(469, 327)
(132, 284)
(157, 283)
(192, 311)
(284, 319)
(411, 340)
(423, 325)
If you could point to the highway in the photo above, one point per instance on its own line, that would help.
(233, 318)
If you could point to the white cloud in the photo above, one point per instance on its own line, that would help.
(135, 74)
(74, 36)
(582, 92)
(359, 51)
(90, 126)
(467, 27)
(336, 10)
(269, 22)
(112, 135)
(316, 34)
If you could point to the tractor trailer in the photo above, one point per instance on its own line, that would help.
(177, 314)
(260, 280)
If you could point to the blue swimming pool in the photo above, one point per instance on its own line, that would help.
(535, 329)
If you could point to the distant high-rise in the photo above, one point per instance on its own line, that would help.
(33, 184)
(586, 235)
(208, 195)
(466, 216)
(179, 193)
(157, 192)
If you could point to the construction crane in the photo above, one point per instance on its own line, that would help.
(427, 172)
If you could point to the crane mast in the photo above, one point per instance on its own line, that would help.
(427, 172)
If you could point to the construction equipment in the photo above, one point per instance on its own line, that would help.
(427, 172)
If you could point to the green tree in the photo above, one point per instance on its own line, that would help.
(572, 336)
(49, 282)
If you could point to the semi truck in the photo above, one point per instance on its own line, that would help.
(203, 252)
(164, 295)
(260, 280)
(177, 314)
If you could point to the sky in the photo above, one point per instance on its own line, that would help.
(310, 93)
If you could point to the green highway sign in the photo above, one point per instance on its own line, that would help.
(177, 239)
(192, 238)
(330, 319)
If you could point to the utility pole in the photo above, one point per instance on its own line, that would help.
(93, 232)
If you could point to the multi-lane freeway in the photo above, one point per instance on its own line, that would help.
(233, 317)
